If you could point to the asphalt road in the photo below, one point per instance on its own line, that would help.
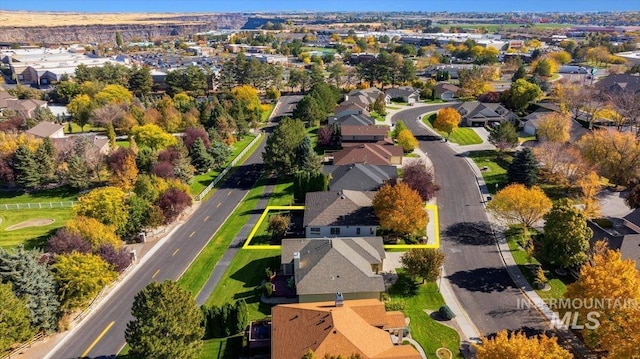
(473, 264)
(101, 335)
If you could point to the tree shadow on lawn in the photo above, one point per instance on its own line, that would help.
(253, 273)
(39, 242)
(486, 280)
(43, 195)
(471, 233)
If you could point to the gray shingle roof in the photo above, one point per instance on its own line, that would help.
(359, 176)
(339, 208)
(356, 120)
(45, 129)
(329, 265)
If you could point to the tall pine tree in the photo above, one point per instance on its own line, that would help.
(46, 159)
(26, 168)
(200, 158)
(307, 159)
(524, 168)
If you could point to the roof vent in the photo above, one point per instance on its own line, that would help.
(339, 299)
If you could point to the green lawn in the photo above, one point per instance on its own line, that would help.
(424, 329)
(201, 181)
(222, 348)
(462, 135)
(125, 144)
(196, 276)
(377, 116)
(496, 172)
(282, 194)
(60, 194)
(35, 236)
(87, 128)
(557, 283)
(393, 108)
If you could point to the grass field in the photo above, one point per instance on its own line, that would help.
(496, 173)
(87, 128)
(264, 115)
(462, 135)
(196, 276)
(125, 144)
(201, 181)
(61, 194)
(31, 237)
(222, 348)
(424, 329)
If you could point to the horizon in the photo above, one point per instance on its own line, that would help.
(327, 6)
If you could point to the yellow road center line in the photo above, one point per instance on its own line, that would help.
(97, 339)
(192, 233)
(206, 219)
(156, 273)
(229, 193)
(174, 252)
(217, 206)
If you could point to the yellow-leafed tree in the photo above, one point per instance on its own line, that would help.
(9, 143)
(615, 154)
(94, 232)
(590, 185)
(606, 277)
(554, 127)
(517, 346)
(106, 204)
(400, 209)
(407, 141)
(447, 120)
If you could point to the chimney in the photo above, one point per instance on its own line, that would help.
(339, 299)
(296, 261)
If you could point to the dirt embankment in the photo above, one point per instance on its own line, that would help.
(52, 28)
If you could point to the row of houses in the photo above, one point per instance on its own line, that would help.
(334, 274)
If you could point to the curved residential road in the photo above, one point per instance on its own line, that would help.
(473, 265)
(101, 335)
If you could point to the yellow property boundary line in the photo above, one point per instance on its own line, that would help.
(433, 207)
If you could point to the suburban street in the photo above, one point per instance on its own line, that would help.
(101, 335)
(473, 265)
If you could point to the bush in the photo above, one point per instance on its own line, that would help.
(395, 304)
(446, 312)
(405, 286)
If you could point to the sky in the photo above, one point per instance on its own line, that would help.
(322, 5)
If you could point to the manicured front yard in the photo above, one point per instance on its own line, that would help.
(462, 135)
(377, 116)
(558, 283)
(496, 169)
(424, 329)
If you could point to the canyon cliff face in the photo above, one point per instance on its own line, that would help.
(173, 26)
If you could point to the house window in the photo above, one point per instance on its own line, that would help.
(358, 231)
(335, 231)
(315, 230)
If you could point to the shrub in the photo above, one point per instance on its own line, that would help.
(395, 304)
(446, 312)
(268, 289)
(405, 286)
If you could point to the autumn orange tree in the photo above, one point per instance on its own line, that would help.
(447, 120)
(400, 209)
(615, 154)
(590, 185)
(554, 127)
(517, 345)
(607, 277)
(124, 171)
(517, 204)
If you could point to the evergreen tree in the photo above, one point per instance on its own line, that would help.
(26, 167)
(46, 159)
(307, 159)
(524, 168)
(14, 319)
(118, 39)
(77, 174)
(166, 323)
(566, 235)
(32, 282)
(200, 158)
(242, 316)
(219, 152)
(280, 153)
(520, 73)
(111, 134)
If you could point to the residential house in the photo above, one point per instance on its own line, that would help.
(323, 266)
(406, 94)
(446, 91)
(364, 96)
(353, 119)
(349, 108)
(362, 134)
(47, 129)
(343, 213)
(359, 176)
(531, 122)
(620, 82)
(24, 108)
(477, 114)
(369, 153)
(339, 327)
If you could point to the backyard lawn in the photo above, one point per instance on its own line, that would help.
(424, 329)
(462, 135)
(33, 236)
(265, 111)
